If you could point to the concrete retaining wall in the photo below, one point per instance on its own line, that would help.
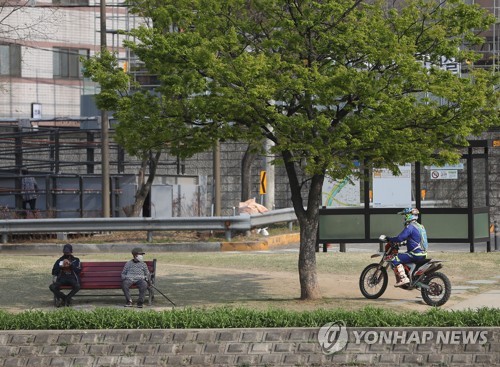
(249, 347)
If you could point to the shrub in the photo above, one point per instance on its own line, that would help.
(225, 317)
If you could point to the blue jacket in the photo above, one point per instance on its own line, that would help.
(411, 235)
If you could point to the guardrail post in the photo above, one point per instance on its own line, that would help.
(5, 238)
(290, 226)
(227, 224)
(342, 247)
(150, 236)
(62, 236)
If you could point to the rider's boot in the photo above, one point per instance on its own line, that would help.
(400, 273)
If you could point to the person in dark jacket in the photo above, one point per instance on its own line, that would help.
(66, 271)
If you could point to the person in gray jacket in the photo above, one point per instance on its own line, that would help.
(135, 272)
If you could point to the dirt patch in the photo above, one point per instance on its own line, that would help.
(264, 289)
(116, 237)
(142, 236)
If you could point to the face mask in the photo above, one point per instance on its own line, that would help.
(139, 257)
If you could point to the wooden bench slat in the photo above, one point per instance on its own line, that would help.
(97, 274)
(101, 286)
(103, 270)
(107, 264)
(87, 282)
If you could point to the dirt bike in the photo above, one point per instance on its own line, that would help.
(434, 286)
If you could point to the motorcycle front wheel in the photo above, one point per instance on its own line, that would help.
(373, 281)
(439, 289)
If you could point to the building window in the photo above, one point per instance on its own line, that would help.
(71, 2)
(67, 63)
(10, 60)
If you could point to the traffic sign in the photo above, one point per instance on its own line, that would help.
(441, 174)
(263, 182)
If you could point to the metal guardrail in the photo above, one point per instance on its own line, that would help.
(274, 216)
(243, 222)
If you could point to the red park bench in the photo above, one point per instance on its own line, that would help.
(107, 275)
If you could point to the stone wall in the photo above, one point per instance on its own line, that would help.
(250, 347)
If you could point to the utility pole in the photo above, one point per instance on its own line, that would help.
(270, 173)
(104, 129)
(217, 180)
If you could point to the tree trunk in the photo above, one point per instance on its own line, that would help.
(144, 186)
(308, 223)
(246, 170)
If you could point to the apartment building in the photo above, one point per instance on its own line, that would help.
(490, 49)
(41, 43)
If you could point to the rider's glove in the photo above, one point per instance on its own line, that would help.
(382, 238)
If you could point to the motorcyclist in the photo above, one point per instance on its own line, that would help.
(416, 243)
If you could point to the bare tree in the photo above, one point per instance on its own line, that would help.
(24, 20)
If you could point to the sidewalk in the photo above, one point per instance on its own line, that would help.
(487, 299)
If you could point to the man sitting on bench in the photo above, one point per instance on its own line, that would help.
(66, 271)
(135, 272)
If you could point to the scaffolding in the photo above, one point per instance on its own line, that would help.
(66, 163)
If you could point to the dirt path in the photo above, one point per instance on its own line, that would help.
(215, 286)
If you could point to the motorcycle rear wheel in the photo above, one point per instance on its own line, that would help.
(440, 289)
(373, 281)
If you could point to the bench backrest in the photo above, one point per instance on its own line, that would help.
(106, 274)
